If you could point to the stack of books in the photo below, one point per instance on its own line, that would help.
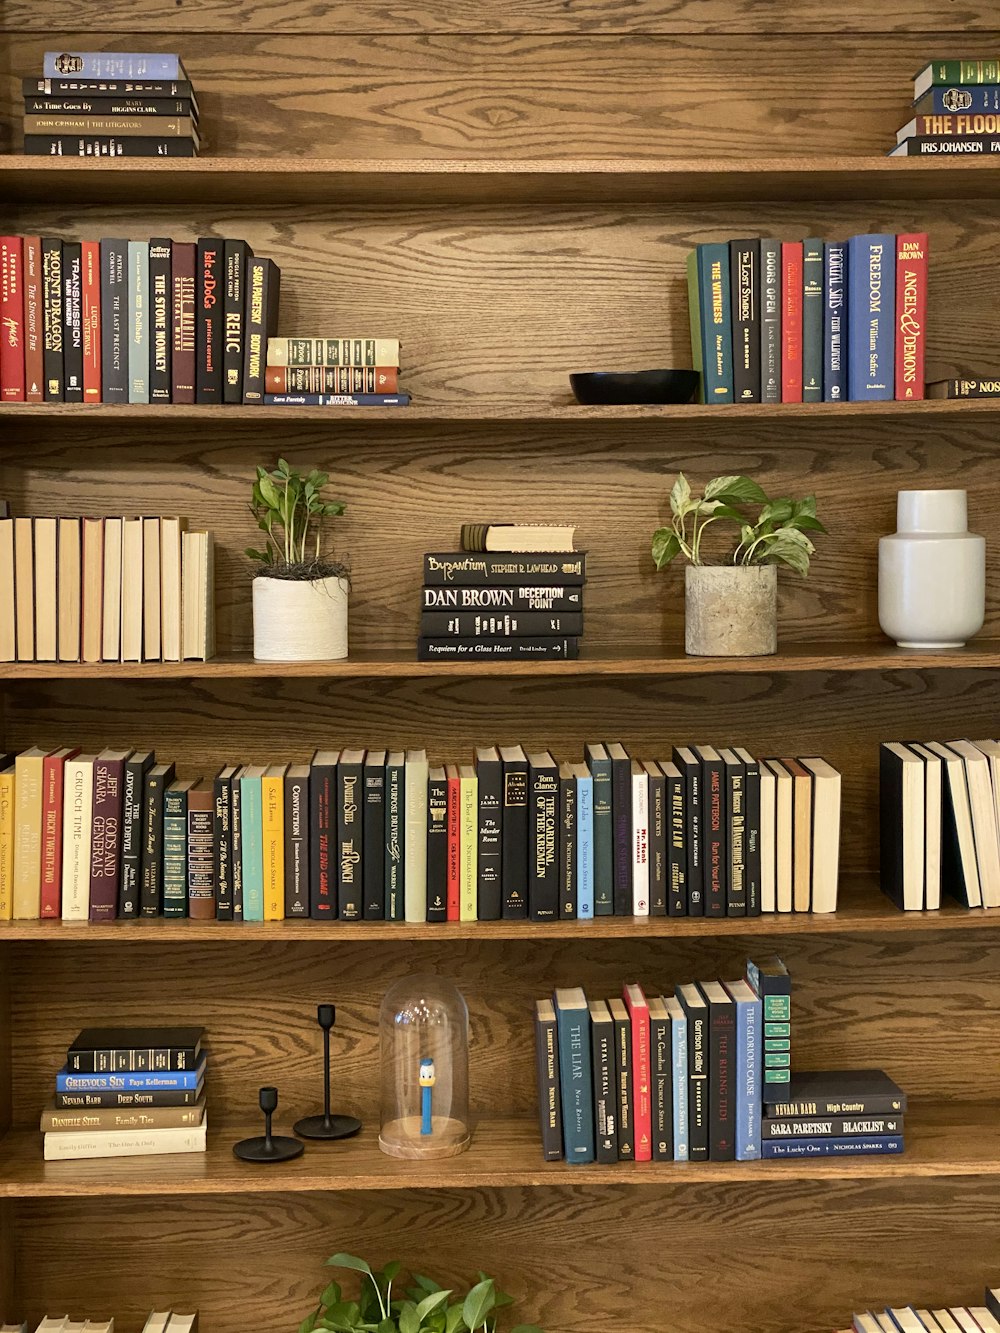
(147, 321)
(836, 1113)
(166, 1322)
(958, 1319)
(162, 1322)
(940, 823)
(110, 104)
(128, 1092)
(514, 591)
(333, 372)
(809, 321)
(376, 835)
(105, 590)
(955, 112)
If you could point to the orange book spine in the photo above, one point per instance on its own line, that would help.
(91, 321)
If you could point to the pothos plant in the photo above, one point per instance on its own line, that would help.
(290, 509)
(777, 533)
(425, 1308)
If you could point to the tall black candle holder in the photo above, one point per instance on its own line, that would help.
(270, 1147)
(327, 1126)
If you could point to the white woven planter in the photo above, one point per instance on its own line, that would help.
(300, 621)
(731, 610)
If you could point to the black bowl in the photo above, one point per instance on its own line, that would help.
(604, 387)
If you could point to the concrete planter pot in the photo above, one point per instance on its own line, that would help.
(731, 610)
(300, 620)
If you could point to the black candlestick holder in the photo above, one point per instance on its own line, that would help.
(270, 1147)
(327, 1126)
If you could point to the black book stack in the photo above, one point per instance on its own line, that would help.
(110, 104)
(513, 591)
(849, 1112)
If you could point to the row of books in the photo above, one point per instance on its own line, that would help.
(162, 1321)
(120, 321)
(940, 823)
(348, 371)
(809, 321)
(64, 121)
(106, 590)
(128, 1092)
(955, 112)
(375, 835)
(958, 1319)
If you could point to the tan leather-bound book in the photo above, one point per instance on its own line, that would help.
(170, 587)
(24, 588)
(92, 595)
(200, 851)
(802, 792)
(132, 590)
(28, 833)
(783, 840)
(111, 601)
(46, 598)
(825, 834)
(69, 589)
(151, 636)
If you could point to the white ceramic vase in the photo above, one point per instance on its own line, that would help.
(931, 572)
(300, 620)
(731, 610)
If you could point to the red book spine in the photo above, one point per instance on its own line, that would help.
(52, 826)
(34, 371)
(91, 321)
(642, 1102)
(182, 327)
(105, 846)
(11, 319)
(454, 847)
(791, 322)
(911, 314)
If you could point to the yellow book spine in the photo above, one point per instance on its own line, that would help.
(468, 806)
(27, 893)
(272, 799)
(6, 846)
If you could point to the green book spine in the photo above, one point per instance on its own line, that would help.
(812, 321)
(715, 303)
(175, 891)
(694, 312)
(252, 833)
(604, 838)
(964, 71)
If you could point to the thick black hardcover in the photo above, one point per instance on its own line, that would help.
(458, 649)
(621, 828)
(604, 830)
(72, 268)
(106, 145)
(296, 814)
(836, 1092)
(322, 841)
(134, 1050)
(690, 770)
(475, 568)
(823, 1127)
(107, 87)
(350, 834)
(813, 262)
(52, 319)
(662, 1089)
(696, 1013)
(567, 844)
(602, 1060)
(489, 894)
(95, 1100)
(114, 321)
(222, 799)
(497, 600)
(734, 786)
(499, 624)
(133, 830)
(623, 1080)
(722, 1092)
(890, 788)
(260, 323)
(395, 817)
(158, 779)
(75, 104)
(237, 256)
(751, 832)
(160, 321)
(208, 307)
(744, 284)
(437, 845)
(547, 1064)
(714, 825)
(373, 824)
(236, 824)
(543, 838)
(515, 835)
(677, 855)
(770, 321)
(659, 864)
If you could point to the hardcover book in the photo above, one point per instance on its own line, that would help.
(12, 320)
(323, 834)
(182, 321)
(489, 858)
(871, 317)
(680, 1083)
(415, 837)
(114, 321)
(602, 1051)
(296, 815)
(137, 322)
(623, 1079)
(236, 260)
(105, 846)
(835, 323)
(469, 568)
(453, 789)
(200, 858)
(696, 1016)
(260, 322)
(175, 859)
(584, 841)
(160, 302)
(770, 322)
(791, 321)
(209, 315)
(395, 817)
(714, 821)
(837, 1092)
(812, 320)
(722, 1095)
(158, 779)
(72, 322)
(689, 767)
(543, 819)
(659, 875)
(52, 318)
(749, 1069)
(573, 1025)
(437, 845)
(91, 321)
(514, 860)
(640, 839)
(468, 796)
(373, 827)
(661, 1080)
(752, 873)
(114, 1050)
(222, 819)
(604, 830)
(676, 839)
(911, 314)
(638, 1012)
(745, 277)
(549, 1092)
(622, 828)
(350, 835)
(272, 803)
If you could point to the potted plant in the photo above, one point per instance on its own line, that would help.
(426, 1307)
(731, 608)
(300, 594)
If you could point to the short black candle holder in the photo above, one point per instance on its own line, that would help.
(270, 1147)
(327, 1126)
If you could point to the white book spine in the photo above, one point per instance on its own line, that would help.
(640, 844)
(68, 1146)
(767, 840)
(415, 839)
(78, 793)
(111, 635)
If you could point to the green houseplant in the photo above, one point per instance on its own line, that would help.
(731, 605)
(424, 1306)
(300, 592)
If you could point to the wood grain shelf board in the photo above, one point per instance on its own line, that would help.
(863, 909)
(557, 181)
(793, 657)
(945, 1139)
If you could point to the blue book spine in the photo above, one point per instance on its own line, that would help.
(835, 332)
(716, 322)
(871, 317)
(853, 1145)
(337, 400)
(145, 1081)
(679, 1053)
(111, 65)
(748, 1079)
(949, 101)
(575, 1084)
(138, 321)
(252, 831)
(585, 847)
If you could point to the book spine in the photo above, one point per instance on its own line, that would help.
(871, 318)
(453, 900)
(469, 844)
(744, 280)
(585, 848)
(695, 321)
(473, 624)
(944, 145)
(34, 364)
(478, 568)
(116, 1097)
(414, 841)
(969, 389)
(147, 1080)
(602, 1059)
(353, 351)
(431, 650)
(297, 898)
(126, 1143)
(941, 100)
(175, 882)
(693, 790)
(350, 783)
(208, 322)
(490, 598)
(576, 1084)
(659, 880)
(133, 809)
(835, 322)
(114, 323)
(856, 1145)
(236, 835)
(91, 321)
(875, 1104)
(160, 302)
(261, 315)
(151, 890)
(182, 321)
(236, 257)
(373, 843)
(543, 864)
(12, 320)
(964, 72)
(791, 321)
(7, 796)
(514, 823)
(50, 899)
(125, 126)
(201, 857)
(138, 322)
(677, 855)
(770, 322)
(567, 849)
(751, 839)
(642, 1111)
(66, 104)
(252, 830)
(107, 145)
(52, 319)
(604, 837)
(322, 842)
(114, 65)
(105, 839)
(777, 1014)
(624, 1089)
(621, 808)
(714, 837)
(748, 1076)
(77, 87)
(437, 849)
(812, 321)
(836, 1126)
(716, 322)
(332, 380)
(222, 802)
(395, 805)
(155, 1117)
(964, 124)
(661, 1088)
(272, 803)
(640, 844)
(489, 861)
(698, 1086)
(911, 314)
(549, 1096)
(736, 888)
(680, 1084)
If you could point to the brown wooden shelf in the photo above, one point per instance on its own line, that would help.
(566, 181)
(863, 909)
(598, 661)
(943, 1139)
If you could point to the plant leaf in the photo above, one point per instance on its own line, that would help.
(268, 493)
(409, 1320)
(777, 512)
(680, 494)
(454, 1320)
(479, 1302)
(331, 1294)
(308, 1324)
(666, 545)
(349, 1261)
(526, 1328)
(431, 1303)
(738, 490)
(806, 522)
(785, 551)
(426, 1283)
